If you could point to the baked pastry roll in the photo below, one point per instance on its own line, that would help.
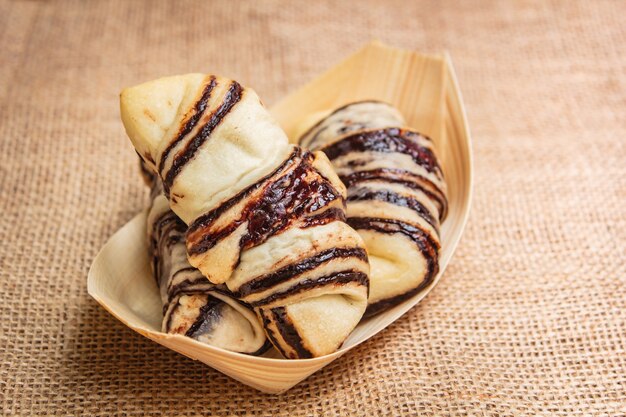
(266, 218)
(192, 305)
(396, 195)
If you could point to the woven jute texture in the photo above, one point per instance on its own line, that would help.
(530, 317)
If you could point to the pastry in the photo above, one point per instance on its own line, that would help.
(266, 218)
(396, 194)
(192, 305)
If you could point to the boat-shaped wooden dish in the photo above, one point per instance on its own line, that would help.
(425, 90)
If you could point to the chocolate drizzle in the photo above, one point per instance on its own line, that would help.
(188, 284)
(386, 141)
(404, 177)
(208, 317)
(232, 97)
(327, 216)
(167, 230)
(286, 200)
(426, 243)
(338, 279)
(270, 333)
(192, 121)
(364, 194)
(285, 273)
(208, 218)
(386, 303)
(283, 200)
(311, 141)
(290, 334)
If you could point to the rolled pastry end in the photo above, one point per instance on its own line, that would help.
(313, 327)
(217, 320)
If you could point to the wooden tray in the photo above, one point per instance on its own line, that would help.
(425, 90)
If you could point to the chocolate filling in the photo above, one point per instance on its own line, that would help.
(382, 305)
(262, 349)
(426, 243)
(197, 239)
(146, 173)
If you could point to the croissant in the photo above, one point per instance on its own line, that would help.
(396, 195)
(192, 305)
(266, 218)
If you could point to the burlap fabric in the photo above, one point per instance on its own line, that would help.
(529, 318)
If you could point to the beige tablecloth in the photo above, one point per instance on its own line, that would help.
(529, 318)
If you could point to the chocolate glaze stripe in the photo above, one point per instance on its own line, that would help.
(167, 218)
(183, 270)
(188, 286)
(400, 176)
(168, 311)
(340, 278)
(270, 333)
(202, 325)
(232, 97)
(311, 142)
(338, 109)
(396, 199)
(206, 219)
(327, 216)
(388, 140)
(166, 225)
(263, 282)
(223, 289)
(290, 333)
(168, 237)
(287, 201)
(207, 317)
(191, 123)
(428, 245)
